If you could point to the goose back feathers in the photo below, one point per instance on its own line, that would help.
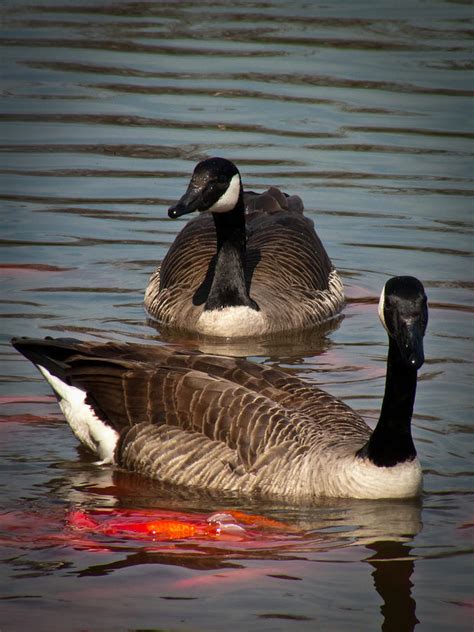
(252, 265)
(229, 424)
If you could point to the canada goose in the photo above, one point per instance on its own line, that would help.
(253, 265)
(228, 424)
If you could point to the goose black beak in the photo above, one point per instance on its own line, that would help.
(410, 343)
(190, 202)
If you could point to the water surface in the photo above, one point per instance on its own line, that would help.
(362, 109)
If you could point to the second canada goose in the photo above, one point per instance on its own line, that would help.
(228, 424)
(252, 265)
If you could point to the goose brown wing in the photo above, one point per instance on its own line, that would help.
(286, 390)
(128, 393)
(289, 391)
(287, 242)
(117, 377)
(178, 289)
(187, 261)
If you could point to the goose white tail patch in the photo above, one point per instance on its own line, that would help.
(88, 428)
(230, 198)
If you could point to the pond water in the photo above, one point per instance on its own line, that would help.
(364, 110)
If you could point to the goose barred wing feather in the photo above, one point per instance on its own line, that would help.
(290, 392)
(171, 419)
(178, 289)
(284, 240)
(116, 371)
(289, 278)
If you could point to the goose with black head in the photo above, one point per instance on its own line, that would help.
(227, 424)
(249, 264)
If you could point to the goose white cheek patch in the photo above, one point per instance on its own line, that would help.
(381, 309)
(228, 201)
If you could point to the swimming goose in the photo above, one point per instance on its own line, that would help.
(252, 265)
(222, 423)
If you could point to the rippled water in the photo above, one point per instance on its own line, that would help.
(364, 110)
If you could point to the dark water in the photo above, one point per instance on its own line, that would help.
(363, 109)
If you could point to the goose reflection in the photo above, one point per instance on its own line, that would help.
(383, 528)
(293, 345)
(393, 571)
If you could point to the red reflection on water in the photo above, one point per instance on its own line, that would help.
(86, 529)
(27, 399)
(32, 530)
(237, 575)
(45, 407)
(160, 525)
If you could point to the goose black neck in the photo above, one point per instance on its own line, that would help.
(391, 441)
(229, 286)
(230, 226)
